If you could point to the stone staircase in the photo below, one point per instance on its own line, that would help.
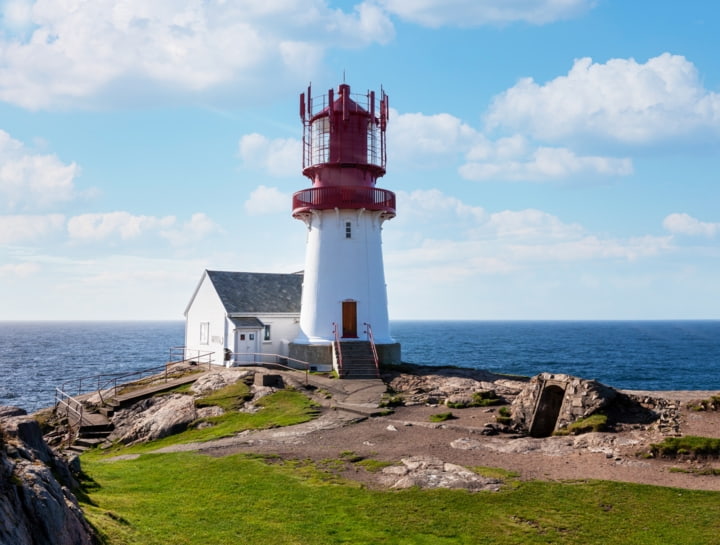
(358, 361)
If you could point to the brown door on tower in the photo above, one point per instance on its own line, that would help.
(349, 319)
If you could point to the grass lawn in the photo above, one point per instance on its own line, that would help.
(192, 499)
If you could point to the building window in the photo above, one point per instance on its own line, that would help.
(204, 332)
(348, 229)
(266, 336)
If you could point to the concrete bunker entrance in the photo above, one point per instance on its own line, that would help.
(547, 411)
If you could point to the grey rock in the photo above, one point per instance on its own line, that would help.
(153, 418)
(36, 507)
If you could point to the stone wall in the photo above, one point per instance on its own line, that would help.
(535, 411)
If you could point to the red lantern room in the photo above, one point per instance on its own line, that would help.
(344, 152)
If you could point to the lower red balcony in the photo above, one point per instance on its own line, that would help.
(344, 197)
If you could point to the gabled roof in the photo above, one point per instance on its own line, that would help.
(242, 292)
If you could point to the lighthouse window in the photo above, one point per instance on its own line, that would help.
(348, 229)
(266, 333)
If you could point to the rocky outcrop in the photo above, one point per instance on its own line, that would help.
(431, 472)
(36, 501)
(451, 384)
(153, 418)
(210, 382)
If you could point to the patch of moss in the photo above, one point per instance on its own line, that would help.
(594, 422)
(504, 416)
(392, 401)
(690, 445)
(372, 465)
(710, 404)
(441, 417)
(479, 399)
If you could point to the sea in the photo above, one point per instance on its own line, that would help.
(36, 357)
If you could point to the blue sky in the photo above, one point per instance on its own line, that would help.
(553, 159)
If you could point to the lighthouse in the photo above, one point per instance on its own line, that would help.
(344, 311)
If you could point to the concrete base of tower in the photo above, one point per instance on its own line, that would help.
(320, 356)
(389, 353)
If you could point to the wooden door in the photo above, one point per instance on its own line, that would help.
(349, 319)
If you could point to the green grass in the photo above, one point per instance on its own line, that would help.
(192, 499)
(282, 408)
(229, 398)
(441, 417)
(479, 399)
(691, 445)
(595, 422)
(710, 404)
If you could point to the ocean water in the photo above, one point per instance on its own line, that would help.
(35, 357)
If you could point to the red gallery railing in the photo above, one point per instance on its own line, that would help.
(344, 197)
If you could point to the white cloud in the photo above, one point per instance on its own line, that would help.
(19, 270)
(480, 243)
(268, 200)
(32, 181)
(197, 228)
(100, 226)
(23, 228)
(428, 204)
(426, 139)
(279, 156)
(684, 224)
(429, 140)
(465, 13)
(621, 100)
(544, 163)
(82, 53)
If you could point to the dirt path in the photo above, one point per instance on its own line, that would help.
(408, 432)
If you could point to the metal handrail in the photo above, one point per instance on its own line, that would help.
(371, 339)
(338, 350)
(63, 399)
(110, 381)
(278, 357)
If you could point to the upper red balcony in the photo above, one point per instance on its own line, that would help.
(344, 198)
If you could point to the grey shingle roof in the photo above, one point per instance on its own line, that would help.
(257, 292)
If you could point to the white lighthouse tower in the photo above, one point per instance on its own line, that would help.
(344, 315)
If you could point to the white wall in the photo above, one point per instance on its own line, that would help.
(338, 269)
(206, 307)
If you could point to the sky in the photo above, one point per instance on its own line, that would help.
(552, 159)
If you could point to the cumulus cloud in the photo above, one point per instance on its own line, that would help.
(24, 228)
(483, 243)
(621, 100)
(279, 156)
(81, 53)
(31, 181)
(544, 163)
(268, 200)
(466, 13)
(432, 203)
(685, 224)
(100, 226)
(428, 140)
(197, 228)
